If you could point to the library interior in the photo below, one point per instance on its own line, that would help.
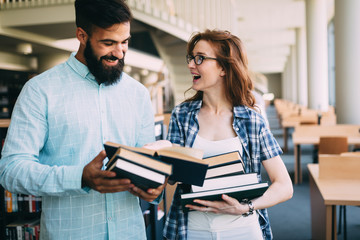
(303, 59)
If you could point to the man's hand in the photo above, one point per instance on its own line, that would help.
(150, 195)
(103, 181)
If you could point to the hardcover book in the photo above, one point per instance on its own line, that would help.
(187, 163)
(144, 172)
(226, 182)
(250, 191)
(224, 159)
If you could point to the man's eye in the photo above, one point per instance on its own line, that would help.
(108, 43)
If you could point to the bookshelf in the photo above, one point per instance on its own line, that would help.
(11, 83)
(22, 215)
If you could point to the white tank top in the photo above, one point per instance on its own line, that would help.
(211, 221)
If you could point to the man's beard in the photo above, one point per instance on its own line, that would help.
(102, 73)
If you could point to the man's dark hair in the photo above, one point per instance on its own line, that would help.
(101, 13)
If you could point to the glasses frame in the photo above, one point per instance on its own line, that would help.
(198, 59)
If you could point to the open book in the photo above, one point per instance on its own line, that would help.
(187, 164)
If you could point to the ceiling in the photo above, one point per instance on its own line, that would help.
(267, 27)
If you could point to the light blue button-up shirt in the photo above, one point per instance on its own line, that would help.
(60, 121)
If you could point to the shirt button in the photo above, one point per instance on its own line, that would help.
(109, 219)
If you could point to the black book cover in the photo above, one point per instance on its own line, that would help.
(186, 172)
(139, 181)
(250, 191)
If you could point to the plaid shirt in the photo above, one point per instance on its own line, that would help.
(258, 145)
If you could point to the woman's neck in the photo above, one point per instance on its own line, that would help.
(216, 104)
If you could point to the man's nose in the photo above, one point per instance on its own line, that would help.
(119, 51)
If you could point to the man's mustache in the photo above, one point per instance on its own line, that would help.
(111, 58)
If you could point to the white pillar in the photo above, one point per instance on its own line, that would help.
(316, 25)
(347, 61)
(302, 86)
(285, 82)
(293, 75)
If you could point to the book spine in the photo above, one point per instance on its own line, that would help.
(8, 200)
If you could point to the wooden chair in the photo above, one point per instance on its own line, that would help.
(333, 145)
(336, 145)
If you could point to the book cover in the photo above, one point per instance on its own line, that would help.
(240, 193)
(186, 171)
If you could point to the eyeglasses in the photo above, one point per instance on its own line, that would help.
(198, 59)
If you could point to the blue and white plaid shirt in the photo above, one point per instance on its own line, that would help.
(258, 145)
(59, 124)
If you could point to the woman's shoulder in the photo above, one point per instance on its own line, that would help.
(249, 114)
(245, 111)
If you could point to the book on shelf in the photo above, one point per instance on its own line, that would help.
(23, 229)
(21, 202)
(187, 163)
(241, 186)
(143, 171)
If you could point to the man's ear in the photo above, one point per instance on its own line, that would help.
(81, 35)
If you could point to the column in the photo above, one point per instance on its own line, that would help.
(285, 82)
(316, 25)
(347, 61)
(302, 85)
(293, 74)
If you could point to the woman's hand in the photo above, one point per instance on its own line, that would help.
(229, 205)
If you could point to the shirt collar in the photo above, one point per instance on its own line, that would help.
(80, 68)
(241, 112)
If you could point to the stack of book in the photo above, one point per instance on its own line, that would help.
(209, 177)
(225, 175)
(148, 168)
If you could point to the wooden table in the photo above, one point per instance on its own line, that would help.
(311, 135)
(326, 193)
(293, 121)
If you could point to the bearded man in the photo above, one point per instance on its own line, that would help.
(62, 118)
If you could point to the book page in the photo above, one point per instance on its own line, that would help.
(192, 152)
(226, 182)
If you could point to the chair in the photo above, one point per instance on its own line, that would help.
(336, 145)
(333, 145)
